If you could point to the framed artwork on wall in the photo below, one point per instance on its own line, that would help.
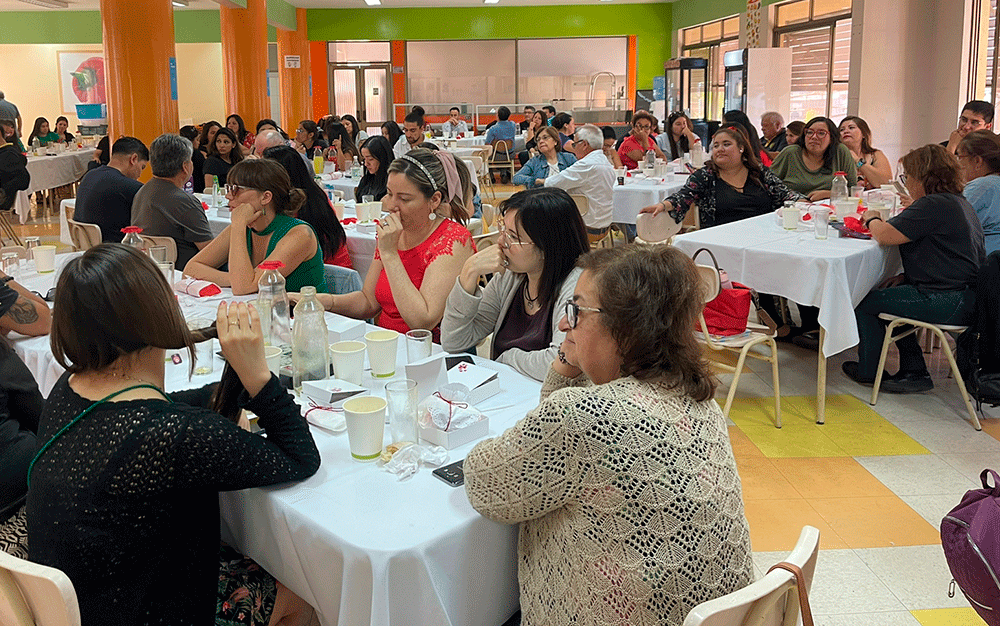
(81, 79)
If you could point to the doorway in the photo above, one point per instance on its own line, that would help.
(362, 90)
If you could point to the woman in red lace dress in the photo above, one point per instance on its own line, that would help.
(422, 245)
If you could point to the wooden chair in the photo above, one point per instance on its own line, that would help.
(21, 252)
(773, 599)
(84, 236)
(166, 242)
(938, 331)
(35, 595)
(583, 205)
(739, 344)
(7, 231)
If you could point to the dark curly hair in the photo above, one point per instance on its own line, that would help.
(650, 299)
(936, 169)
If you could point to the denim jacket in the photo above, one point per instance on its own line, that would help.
(538, 168)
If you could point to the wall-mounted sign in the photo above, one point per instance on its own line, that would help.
(293, 61)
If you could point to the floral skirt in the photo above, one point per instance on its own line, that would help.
(246, 592)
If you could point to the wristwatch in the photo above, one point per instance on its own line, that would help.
(870, 220)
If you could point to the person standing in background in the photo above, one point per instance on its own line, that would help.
(8, 111)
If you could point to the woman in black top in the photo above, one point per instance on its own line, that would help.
(14, 175)
(308, 138)
(125, 501)
(376, 155)
(223, 154)
(197, 157)
(208, 130)
(391, 132)
(62, 129)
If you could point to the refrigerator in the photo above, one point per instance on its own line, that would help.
(759, 80)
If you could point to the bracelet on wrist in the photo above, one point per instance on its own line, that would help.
(870, 220)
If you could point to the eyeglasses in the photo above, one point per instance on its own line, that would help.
(509, 238)
(965, 121)
(235, 190)
(819, 134)
(572, 311)
(642, 126)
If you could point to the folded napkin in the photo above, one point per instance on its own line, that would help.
(198, 288)
(326, 417)
(204, 205)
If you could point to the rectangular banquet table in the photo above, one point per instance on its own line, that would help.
(356, 543)
(49, 172)
(834, 274)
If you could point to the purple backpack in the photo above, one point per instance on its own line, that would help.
(970, 536)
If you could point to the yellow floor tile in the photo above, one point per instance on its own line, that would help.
(762, 481)
(948, 617)
(838, 477)
(775, 525)
(794, 440)
(840, 409)
(875, 522)
(880, 438)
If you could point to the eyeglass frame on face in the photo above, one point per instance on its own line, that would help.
(235, 190)
(818, 133)
(508, 239)
(572, 312)
(974, 123)
(643, 127)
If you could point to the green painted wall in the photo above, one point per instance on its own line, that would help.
(281, 14)
(650, 23)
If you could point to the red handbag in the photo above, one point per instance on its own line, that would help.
(727, 314)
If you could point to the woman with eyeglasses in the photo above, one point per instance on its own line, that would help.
(542, 236)
(549, 160)
(635, 146)
(262, 201)
(626, 449)
(810, 165)
(309, 138)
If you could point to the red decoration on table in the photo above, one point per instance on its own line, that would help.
(132, 229)
(349, 220)
(204, 205)
(853, 223)
(271, 265)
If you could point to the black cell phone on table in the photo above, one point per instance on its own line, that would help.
(452, 473)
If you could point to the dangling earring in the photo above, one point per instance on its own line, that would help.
(432, 216)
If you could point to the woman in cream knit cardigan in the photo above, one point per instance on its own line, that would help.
(623, 479)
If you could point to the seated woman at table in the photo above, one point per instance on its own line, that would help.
(244, 137)
(549, 160)
(542, 236)
(263, 201)
(537, 122)
(629, 366)
(392, 132)
(873, 166)
(940, 242)
(610, 138)
(14, 175)
(793, 131)
(731, 186)
(223, 154)
(420, 250)
(376, 156)
(144, 464)
(353, 129)
(41, 132)
(678, 137)
(62, 130)
(197, 157)
(342, 150)
(809, 165)
(639, 142)
(316, 210)
(208, 130)
(979, 155)
(308, 138)
(740, 119)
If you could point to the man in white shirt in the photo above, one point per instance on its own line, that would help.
(455, 124)
(413, 134)
(591, 176)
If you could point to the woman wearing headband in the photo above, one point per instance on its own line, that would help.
(420, 250)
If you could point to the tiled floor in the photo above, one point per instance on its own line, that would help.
(875, 481)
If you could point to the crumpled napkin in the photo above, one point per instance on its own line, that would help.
(853, 223)
(197, 288)
(406, 461)
(326, 417)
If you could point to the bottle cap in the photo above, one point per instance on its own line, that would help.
(840, 173)
(271, 265)
(132, 229)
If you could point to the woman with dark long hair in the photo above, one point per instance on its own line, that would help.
(342, 150)
(392, 132)
(873, 166)
(62, 129)
(376, 156)
(353, 129)
(316, 210)
(197, 157)
(223, 154)
(809, 165)
(245, 138)
(309, 137)
(678, 137)
(739, 117)
(208, 130)
(42, 132)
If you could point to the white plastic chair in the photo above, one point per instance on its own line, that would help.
(657, 229)
(20, 251)
(35, 595)
(739, 344)
(772, 600)
(84, 236)
(938, 331)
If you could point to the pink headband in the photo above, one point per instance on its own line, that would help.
(451, 175)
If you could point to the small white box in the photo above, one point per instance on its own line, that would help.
(340, 328)
(452, 439)
(331, 392)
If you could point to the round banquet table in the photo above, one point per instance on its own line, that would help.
(49, 172)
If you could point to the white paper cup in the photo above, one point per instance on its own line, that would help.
(365, 418)
(790, 218)
(382, 352)
(845, 207)
(272, 354)
(45, 259)
(348, 361)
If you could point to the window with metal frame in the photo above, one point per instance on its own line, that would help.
(983, 49)
(712, 41)
(819, 34)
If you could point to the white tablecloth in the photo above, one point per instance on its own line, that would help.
(347, 185)
(49, 172)
(631, 198)
(360, 546)
(834, 275)
(479, 140)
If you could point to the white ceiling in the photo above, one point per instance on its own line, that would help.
(94, 5)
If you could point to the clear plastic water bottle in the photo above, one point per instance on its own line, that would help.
(215, 191)
(356, 172)
(650, 159)
(132, 238)
(272, 306)
(838, 191)
(310, 354)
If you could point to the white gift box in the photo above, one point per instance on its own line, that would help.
(340, 328)
(331, 392)
(456, 437)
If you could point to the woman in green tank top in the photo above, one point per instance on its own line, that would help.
(263, 201)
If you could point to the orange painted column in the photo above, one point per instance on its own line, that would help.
(320, 79)
(244, 61)
(296, 105)
(140, 68)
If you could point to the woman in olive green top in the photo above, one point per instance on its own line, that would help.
(809, 165)
(263, 201)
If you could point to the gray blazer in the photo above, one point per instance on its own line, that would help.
(468, 319)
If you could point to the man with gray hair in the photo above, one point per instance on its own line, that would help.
(267, 139)
(8, 111)
(591, 176)
(162, 209)
(772, 125)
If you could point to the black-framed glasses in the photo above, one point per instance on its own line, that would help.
(572, 311)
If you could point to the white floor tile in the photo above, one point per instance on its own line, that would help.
(914, 475)
(933, 508)
(950, 437)
(894, 618)
(917, 575)
(972, 465)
